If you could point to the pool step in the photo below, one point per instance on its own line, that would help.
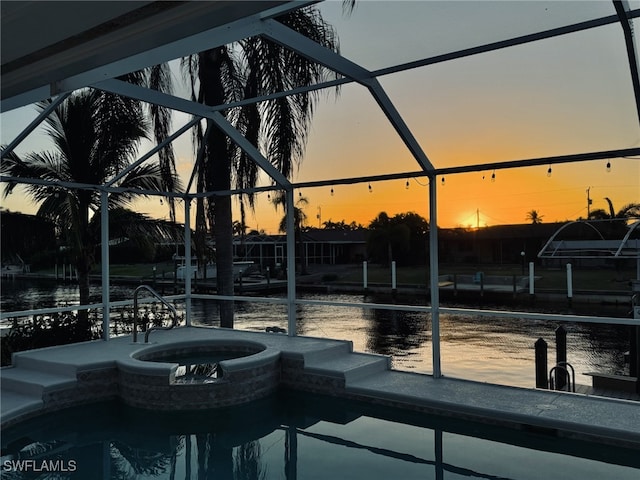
(351, 366)
(319, 355)
(24, 361)
(28, 381)
(15, 404)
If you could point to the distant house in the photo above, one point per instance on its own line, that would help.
(500, 244)
(321, 247)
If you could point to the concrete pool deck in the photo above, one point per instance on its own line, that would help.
(58, 377)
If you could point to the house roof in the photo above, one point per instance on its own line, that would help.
(335, 236)
(315, 235)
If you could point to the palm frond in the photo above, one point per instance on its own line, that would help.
(630, 210)
(140, 228)
(160, 79)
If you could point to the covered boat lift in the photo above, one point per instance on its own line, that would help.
(625, 248)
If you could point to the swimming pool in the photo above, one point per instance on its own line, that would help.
(296, 435)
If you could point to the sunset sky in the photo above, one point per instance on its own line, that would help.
(570, 94)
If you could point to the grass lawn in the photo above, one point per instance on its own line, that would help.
(583, 279)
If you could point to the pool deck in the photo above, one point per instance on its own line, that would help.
(328, 367)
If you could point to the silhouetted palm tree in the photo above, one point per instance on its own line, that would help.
(247, 463)
(131, 463)
(250, 68)
(630, 210)
(534, 217)
(95, 137)
(299, 220)
(616, 228)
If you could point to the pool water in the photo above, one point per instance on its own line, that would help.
(296, 436)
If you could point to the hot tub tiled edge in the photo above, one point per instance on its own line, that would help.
(110, 370)
(151, 384)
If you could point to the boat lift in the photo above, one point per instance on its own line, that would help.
(600, 248)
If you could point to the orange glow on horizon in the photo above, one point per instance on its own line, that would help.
(465, 200)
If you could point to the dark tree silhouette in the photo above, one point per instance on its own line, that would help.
(250, 68)
(95, 136)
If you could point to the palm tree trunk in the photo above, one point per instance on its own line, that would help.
(84, 326)
(223, 233)
(218, 177)
(301, 255)
(83, 262)
(200, 238)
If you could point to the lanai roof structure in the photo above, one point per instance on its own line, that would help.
(50, 49)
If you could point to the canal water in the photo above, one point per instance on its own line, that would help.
(487, 349)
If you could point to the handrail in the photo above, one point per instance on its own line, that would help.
(573, 374)
(570, 380)
(135, 313)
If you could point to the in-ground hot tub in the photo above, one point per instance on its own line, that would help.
(199, 364)
(199, 374)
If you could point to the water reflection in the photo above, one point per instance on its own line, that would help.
(297, 436)
(396, 333)
(498, 349)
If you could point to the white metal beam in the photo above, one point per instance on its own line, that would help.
(199, 157)
(153, 151)
(306, 47)
(34, 124)
(194, 108)
(433, 277)
(187, 260)
(622, 10)
(100, 58)
(445, 57)
(291, 264)
(225, 34)
(104, 248)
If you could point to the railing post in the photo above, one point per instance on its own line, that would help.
(637, 359)
(291, 265)
(541, 364)
(433, 275)
(104, 255)
(531, 279)
(187, 261)
(569, 284)
(364, 276)
(561, 354)
(393, 277)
